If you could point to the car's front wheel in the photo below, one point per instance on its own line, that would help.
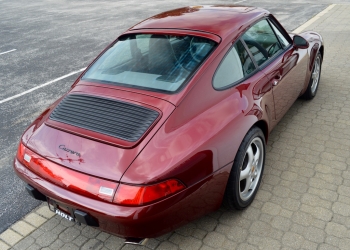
(247, 170)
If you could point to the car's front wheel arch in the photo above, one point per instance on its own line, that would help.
(322, 52)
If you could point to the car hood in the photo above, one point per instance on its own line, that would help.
(98, 150)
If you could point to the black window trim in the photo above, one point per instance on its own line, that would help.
(258, 68)
(273, 30)
(249, 52)
(273, 20)
(273, 58)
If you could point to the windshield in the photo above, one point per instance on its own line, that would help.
(159, 62)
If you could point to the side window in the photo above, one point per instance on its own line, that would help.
(235, 66)
(262, 41)
(284, 42)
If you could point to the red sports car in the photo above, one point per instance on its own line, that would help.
(170, 120)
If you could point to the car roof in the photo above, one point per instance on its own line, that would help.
(220, 20)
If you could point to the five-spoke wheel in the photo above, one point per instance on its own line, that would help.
(251, 169)
(316, 74)
(247, 170)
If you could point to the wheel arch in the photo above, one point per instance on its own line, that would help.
(264, 128)
(322, 51)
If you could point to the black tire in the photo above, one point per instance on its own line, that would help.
(245, 162)
(311, 90)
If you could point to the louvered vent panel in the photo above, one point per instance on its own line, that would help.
(119, 119)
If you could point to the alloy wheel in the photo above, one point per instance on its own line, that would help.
(316, 74)
(250, 170)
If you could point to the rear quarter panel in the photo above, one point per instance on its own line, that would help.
(205, 130)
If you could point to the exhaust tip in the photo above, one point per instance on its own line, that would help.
(136, 241)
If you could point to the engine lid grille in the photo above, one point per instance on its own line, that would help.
(123, 120)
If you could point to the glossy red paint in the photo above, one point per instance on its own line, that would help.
(142, 221)
(178, 32)
(194, 140)
(222, 20)
(316, 44)
(219, 23)
(99, 154)
(66, 178)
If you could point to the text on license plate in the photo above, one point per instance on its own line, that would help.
(64, 215)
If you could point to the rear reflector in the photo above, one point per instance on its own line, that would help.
(27, 158)
(106, 191)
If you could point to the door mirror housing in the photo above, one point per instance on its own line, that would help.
(300, 42)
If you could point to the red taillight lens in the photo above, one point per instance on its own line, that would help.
(20, 152)
(140, 195)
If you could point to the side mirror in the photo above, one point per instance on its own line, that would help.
(300, 42)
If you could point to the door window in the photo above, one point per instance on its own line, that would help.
(262, 42)
(235, 66)
(284, 42)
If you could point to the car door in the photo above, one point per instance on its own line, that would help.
(284, 66)
(238, 69)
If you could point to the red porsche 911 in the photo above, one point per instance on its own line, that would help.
(170, 120)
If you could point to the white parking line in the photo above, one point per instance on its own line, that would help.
(40, 86)
(8, 51)
(239, 1)
(308, 23)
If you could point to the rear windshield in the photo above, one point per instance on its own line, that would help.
(157, 62)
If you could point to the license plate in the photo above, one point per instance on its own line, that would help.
(53, 206)
(64, 215)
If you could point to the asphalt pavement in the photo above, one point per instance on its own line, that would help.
(41, 41)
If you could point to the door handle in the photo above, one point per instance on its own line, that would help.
(276, 79)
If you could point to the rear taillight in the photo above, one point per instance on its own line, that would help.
(94, 187)
(74, 181)
(140, 195)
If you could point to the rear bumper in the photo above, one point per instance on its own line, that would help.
(79, 216)
(143, 221)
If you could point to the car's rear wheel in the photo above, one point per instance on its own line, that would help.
(311, 90)
(247, 170)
